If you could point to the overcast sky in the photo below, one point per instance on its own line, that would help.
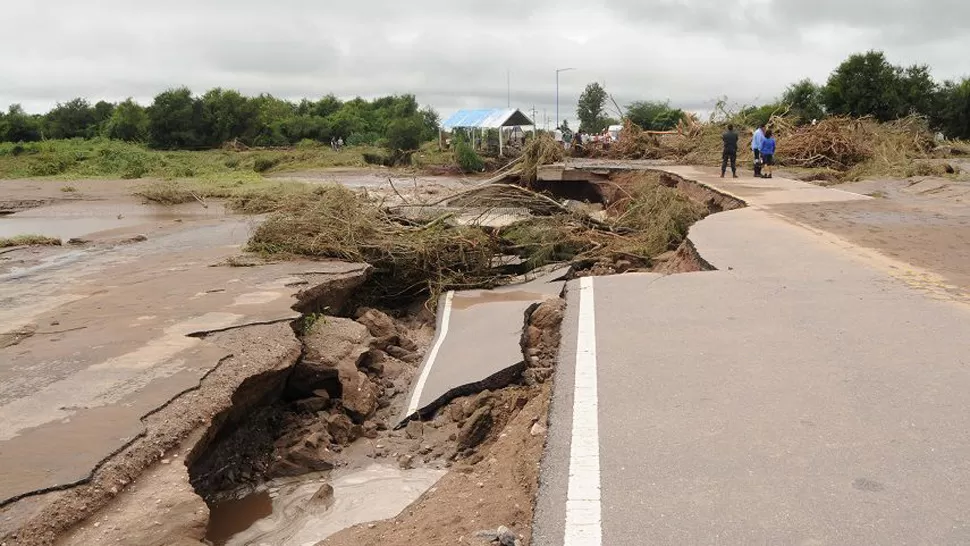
(456, 53)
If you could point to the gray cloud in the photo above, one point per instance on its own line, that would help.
(455, 53)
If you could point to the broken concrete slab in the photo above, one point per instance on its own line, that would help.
(466, 318)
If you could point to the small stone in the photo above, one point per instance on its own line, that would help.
(114, 490)
(538, 429)
(97, 524)
(415, 430)
(481, 484)
(406, 462)
(371, 525)
(166, 461)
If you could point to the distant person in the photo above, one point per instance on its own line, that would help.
(730, 152)
(333, 143)
(340, 143)
(768, 153)
(759, 137)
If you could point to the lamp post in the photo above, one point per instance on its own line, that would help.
(558, 70)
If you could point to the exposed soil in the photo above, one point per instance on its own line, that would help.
(923, 222)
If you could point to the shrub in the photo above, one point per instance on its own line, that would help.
(468, 159)
(264, 163)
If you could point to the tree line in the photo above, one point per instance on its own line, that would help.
(865, 84)
(177, 119)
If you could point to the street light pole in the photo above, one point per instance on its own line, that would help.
(558, 70)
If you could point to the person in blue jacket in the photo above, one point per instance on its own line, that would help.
(768, 153)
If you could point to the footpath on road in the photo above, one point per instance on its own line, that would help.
(808, 391)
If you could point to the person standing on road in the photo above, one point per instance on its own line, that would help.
(730, 152)
(759, 137)
(768, 153)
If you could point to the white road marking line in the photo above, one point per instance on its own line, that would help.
(583, 509)
(419, 387)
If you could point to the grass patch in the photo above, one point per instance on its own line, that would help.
(29, 240)
(246, 197)
(68, 189)
(103, 158)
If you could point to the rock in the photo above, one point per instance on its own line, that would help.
(538, 429)
(136, 239)
(78, 241)
(334, 347)
(379, 324)
(302, 459)
(313, 405)
(333, 294)
(399, 353)
(340, 427)
(407, 343)
(382, 343)
(415, 430)
(412, 358)
(502, 536)
(548, 315)
(323, 498)
(480, 400)
(406, 462)
(393, 369)
(373, 361)
(475, 429)
(537, 376)
(360, 396)
(370, 430)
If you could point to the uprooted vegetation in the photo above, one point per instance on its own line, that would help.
(29, 240)
(836, 149)
(421, 250)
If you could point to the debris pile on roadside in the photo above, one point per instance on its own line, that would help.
(419, 250)
(835, 149)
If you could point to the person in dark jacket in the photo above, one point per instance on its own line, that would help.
(730, 153)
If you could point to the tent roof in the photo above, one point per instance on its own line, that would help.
(486, 119)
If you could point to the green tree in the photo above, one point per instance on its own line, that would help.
(865, 85)
(954, 112)
(102, 113)
(227, 115)
(918, 91)
(756, 116)
(805, 100)
(654, 115)
(129, 122)
(175, 120)
(431, 122)
(406, 134)
(18, 126)
(590, 109)
(73, 119)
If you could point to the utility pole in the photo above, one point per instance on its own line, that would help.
(558, 70)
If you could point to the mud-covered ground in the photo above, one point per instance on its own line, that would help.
(924, 222)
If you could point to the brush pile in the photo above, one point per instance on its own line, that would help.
(840, 148)
(418, 258)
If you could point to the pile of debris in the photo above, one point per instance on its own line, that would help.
(840, 148)
(423, 250)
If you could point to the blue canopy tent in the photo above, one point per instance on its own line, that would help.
(485, 119)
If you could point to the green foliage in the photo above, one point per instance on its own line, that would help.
(756, 116)
(654, 115)
(954, 111)
(175, 120)
(28, 240)
(868, 85)
(74, 119)
(129, 122)
(468, 160)
(406, 134)
(227, 116)
(590, 109)
(805, 100)
(18, 126)
(264, 163)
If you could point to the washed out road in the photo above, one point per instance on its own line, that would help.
(810, 391)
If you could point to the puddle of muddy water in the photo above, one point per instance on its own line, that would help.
(82, 218)
(285, 513)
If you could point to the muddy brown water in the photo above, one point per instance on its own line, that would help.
(284, 513)
(83, 218)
